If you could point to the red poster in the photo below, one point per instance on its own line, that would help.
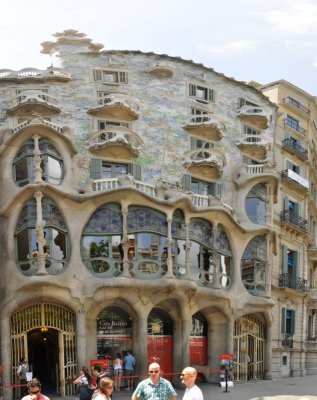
(160, 349)
(198, 350)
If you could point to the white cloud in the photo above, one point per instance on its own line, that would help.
(299, 18)
(238, 46)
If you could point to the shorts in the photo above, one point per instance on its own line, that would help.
(117, 371)
(129, 372)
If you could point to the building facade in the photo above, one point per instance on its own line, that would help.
(148, 203)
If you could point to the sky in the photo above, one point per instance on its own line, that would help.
(259, 40)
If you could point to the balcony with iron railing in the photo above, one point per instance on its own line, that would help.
(294, 148)
(295, 179)
(257, 116)
(206, 125)
(33, 100)
(287, 341)
(296, 106)
(295, 221)
(295, 126)
(293, 282)
(115, 105)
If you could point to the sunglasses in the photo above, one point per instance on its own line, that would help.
(185, 375)
(153, 372)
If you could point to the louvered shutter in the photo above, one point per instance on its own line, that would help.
(210, 95)
(186, 182)
(123, 77)
(192, 90)
(284, 259)
(95, 168)
(97, 75)
(292, 322)
(283, 322)
(135, 171)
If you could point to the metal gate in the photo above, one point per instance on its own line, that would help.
(248, 342)
(46, 315)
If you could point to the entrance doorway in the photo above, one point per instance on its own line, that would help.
(46, 334)
(43, 358)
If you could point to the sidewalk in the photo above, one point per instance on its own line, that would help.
(297, 388)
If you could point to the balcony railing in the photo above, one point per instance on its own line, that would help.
(295, 104)
(287, 341)
(33, 95)
(293, 282)
(113, 183)
(294, 125)
(290, 217)
(293, 177)
(295, 148)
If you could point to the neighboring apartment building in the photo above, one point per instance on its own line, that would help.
(294, 278)
(140, 209)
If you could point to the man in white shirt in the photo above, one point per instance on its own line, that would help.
(192, 391)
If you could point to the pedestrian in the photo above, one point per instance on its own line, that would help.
(192, 391)
(98, 373)
(154, 387)
(84, 382)
(117, 370)
(129, 364)
(104, 389)
(34, 389)
(23, 368)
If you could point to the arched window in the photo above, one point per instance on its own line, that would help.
(55, 234)
(224, 256)
(256, 204)
(254, 266)
(179, 242)
(51, 163)
(102, 250)
(147, 235)
(114, 332)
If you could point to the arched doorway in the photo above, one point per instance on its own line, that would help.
(114, 332)
(248, 343)
(45, 334)
(160, 340)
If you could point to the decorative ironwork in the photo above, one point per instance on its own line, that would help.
(287, 341)
(293, 282)
(293, 219)
(295, 147)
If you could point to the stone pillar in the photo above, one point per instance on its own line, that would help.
(6, 358)
(140, 344)
(188, 274)
(268, 352)
(125, 241)
(81, 338)
(37, 161)
(40, 234)
(169, 245)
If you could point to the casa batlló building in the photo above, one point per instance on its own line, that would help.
(153, 204)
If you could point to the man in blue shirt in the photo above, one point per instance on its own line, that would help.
(154, 387)
(129, 364)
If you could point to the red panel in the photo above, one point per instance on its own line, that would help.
(160, 348)
(198, 350)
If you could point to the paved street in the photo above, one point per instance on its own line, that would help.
(281, 389)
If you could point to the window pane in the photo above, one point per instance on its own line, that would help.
(23, 246)
(53, 170)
